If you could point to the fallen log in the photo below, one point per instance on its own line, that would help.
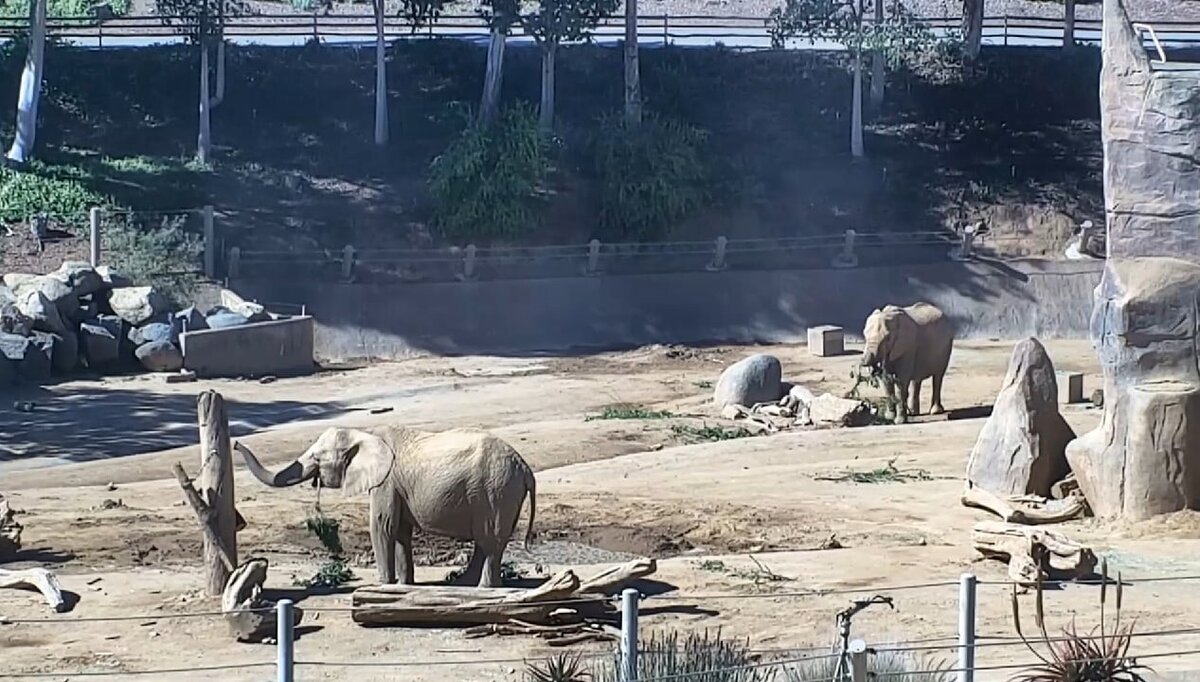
(560, 600)
(38, 578)
(1033, 554)
(1025, 509)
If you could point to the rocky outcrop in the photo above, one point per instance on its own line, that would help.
(1022, 447)
(30, 356)
(42, 313)
(160, 356)
(1144, 459)
(137, 305)
(747, 382)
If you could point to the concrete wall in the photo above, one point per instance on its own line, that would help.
(518, 317)
(279, 347)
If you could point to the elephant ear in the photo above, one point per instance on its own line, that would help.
(369, 463)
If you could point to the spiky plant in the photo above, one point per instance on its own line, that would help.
(1099, 656)
(561, 668)
(692, 656)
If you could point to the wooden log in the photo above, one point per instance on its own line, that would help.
(454, 605)
(216, 488)
(205, 515)
(250, 617)
(1025, 509)
(1033, 553)
(38, 578)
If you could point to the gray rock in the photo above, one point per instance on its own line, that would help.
(830, 409)
(42, 313)
(224, 318)
(30, 356)
(12, 319)
(151, 332)
(99, 343)
(86, 310)
(65, 357)
(189, 320)
(747, 382)
(136, 305)
(8, 372)
(54, 289)
(112, 279)
(254, 312)
(1022, 447)
(160, 356)
(14, 280)
(81, 277)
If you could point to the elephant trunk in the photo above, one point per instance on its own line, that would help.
(290, 475)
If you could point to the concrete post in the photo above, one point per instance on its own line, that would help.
(593, 264)
(629, 635)
(718, 261)
(966, 628)
(284, 641)
(235, 262)
(858, 661)
(94, 217)
(966, 248)
(847, 258)
(347, 261)
(469, 262)
(210, 244)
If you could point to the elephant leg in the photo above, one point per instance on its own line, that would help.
(916, 397)
(404, 542)
(492, 565)
(902, 402)
(471, 574)
(383, 541)
(937, 394)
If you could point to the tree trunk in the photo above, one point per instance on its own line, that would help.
(489, 105)
(878, 66)
(381, 105)
(1068, 24)
(546, 110)
(204, 137)
(31, 85)
(972, 28)
(216, 486)
(856, 109)
(220, 93)
(633, 77)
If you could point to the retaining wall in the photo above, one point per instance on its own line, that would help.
(278, 347)
(1049, 299)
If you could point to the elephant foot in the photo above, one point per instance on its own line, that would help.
(937, 409)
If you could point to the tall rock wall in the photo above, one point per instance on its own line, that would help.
(1144, 459)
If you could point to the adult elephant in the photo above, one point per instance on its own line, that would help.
(464, 483)
(909, 345)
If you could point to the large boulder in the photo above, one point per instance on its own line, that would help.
(100, 342)
(112, 279)
(54, 289)
(65, 357)
(43, 314)
(160, 356)
(221, 318)
(254, 312)
(747, 382)
(136, 305)
(151, 332)
(13, 320)
(14, 280)
(188, 320)
(8, 371)
(81, 277)
(31, 356)
(1022, 447)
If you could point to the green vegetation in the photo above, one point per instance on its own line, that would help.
(629, 412)
(889, 665)
(509, 572)
(334, 572)
(760, 575)
(884, 474)
(57, 191)
(57, 9)
(710, 434)
(676, 656)
(489, 181)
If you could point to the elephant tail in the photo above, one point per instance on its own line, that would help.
(531, 487)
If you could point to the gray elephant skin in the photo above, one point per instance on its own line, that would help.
(465, 484)
(910, 345)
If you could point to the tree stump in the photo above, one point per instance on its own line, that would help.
(1033, 554)
(10, 532)
(216, 489)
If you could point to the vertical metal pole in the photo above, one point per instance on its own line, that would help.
(284, 637)
(1006, 29)
(469, 262)
(235, 262)
(210, 244)
(629, 635)
(858, 661)
(94, 224)
(593, 264)
(966, 628)
(347, 261)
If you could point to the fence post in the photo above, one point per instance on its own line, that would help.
(94, 216)
(847, 258)
(718, 261)
(235, 262)
(1006, 29)
(629, 635)
(347, 261)
(469, 263)
(284, 640)
(966, 248)
(666, 30)
(210, 244)
(858, 661)
(593, 263)
(966, 628)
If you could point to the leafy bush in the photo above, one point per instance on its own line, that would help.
(55, 191)
(56, 9)
(164, 255)
(651, 177)
(488, 182)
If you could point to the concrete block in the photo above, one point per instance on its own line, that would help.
(826, 341)
(279, 348)
(1070, 387)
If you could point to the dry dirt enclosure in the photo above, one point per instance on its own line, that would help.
(607, 488)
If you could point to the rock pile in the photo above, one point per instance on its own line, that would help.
(80, 317)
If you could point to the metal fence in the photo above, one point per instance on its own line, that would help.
(730, 30)
(970, 655)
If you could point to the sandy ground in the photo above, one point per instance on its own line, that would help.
(90, 468)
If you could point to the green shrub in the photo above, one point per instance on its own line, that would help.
(650, 177)
(55, 191)
(702, 656)
(488, 182)
(57, 9)
(164, 255)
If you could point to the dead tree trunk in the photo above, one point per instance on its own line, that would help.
(216, 487)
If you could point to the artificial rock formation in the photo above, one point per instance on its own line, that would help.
(1022, 447)
(750, 381)
(1144, 459)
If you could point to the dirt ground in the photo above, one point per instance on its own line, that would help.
(90, 469)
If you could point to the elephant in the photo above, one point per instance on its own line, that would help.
(464, 483)
(910, 345)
